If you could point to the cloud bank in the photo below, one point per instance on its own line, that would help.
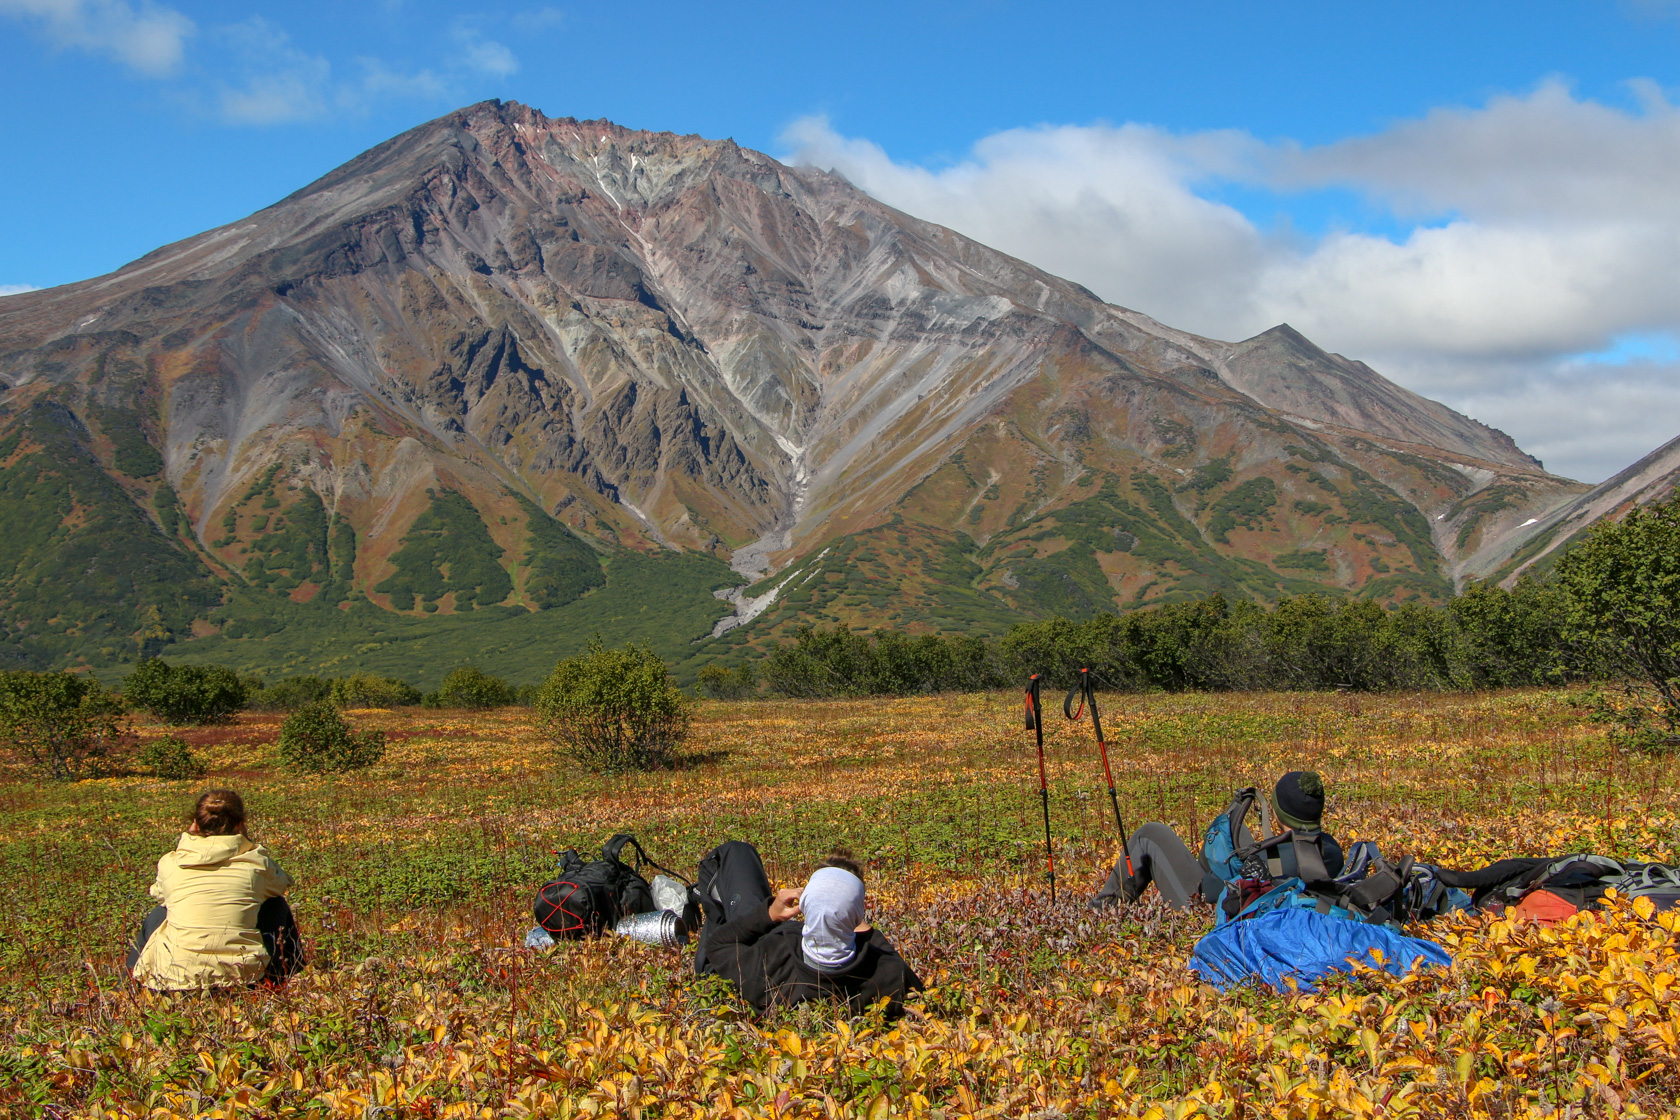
(146, 37)
(1539, 234)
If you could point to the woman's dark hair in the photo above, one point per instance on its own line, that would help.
(844, 860)
(219, 812)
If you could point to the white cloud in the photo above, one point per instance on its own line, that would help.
(534, 20)
(147, 37)
(256, 74)
(479, 55)
(282, 83)
(17, 289)
(1542, 227)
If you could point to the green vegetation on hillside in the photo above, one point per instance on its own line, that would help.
(1247, 506)
(447, 549)
(664, 600)
(559, 566)
(85, 575)
(132, 452)
(909, 574)
(288, 547)
(1070, 583)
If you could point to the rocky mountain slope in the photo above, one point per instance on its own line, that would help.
(1535, 543)
(481, 364)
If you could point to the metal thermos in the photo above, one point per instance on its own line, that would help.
(656, 927)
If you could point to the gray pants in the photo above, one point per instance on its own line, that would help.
(1159, 857)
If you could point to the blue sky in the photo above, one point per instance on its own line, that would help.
(1423, 186)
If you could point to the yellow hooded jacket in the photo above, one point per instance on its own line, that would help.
(213, 887)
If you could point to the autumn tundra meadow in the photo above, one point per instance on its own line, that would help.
(415, 879)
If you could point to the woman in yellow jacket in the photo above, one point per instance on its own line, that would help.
(222, 918)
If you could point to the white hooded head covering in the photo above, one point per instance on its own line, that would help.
(832, 905)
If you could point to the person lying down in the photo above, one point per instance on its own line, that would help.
(798, 944)
(1159, 858)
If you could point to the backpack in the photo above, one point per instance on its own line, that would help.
(1247, 878)
(587, 899)
(1369, 889)
(1583, 880)
(1580, 880)
(1224, 839)
(1655, 881)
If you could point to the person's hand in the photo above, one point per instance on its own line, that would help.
(785, 905)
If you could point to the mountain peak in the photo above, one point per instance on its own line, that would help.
(1283, 369)
(501, 323)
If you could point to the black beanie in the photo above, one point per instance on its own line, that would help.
(1299, 799)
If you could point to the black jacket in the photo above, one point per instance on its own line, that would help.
(765, 960)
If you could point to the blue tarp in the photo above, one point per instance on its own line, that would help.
(1304, 945)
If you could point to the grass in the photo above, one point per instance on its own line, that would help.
(415, 879)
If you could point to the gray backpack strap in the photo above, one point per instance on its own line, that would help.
(1647, 878)
(1309, 863)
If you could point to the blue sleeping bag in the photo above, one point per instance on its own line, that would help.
(1304, 945)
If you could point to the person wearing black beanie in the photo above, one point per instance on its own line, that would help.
(1299, 799)
(1158, 856)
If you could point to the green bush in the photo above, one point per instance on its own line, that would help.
(184, 693)
(316, 739)
(615, 709)
(170, 757)
(63, 724)
(364, 690)
(1623, 589)
(471, 687)
(837, 662)
(723, 683)
(290, 694)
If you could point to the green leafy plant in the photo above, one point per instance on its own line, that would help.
(1623, 587)
(365, 690)
(170, 757)
(290, 694)
(471, 687)
(184, 693)
(721, 682)
(615, 709)
(62, 724)
(316, 739)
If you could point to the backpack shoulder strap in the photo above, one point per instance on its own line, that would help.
(614, 848)
(1242, 802)
(1265, 812)
(1309, 861)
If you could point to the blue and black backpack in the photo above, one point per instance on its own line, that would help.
(1247, 878)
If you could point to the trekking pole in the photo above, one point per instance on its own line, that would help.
(1086, 690)
(1035, 723)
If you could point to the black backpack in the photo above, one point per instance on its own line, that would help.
(588, 899)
